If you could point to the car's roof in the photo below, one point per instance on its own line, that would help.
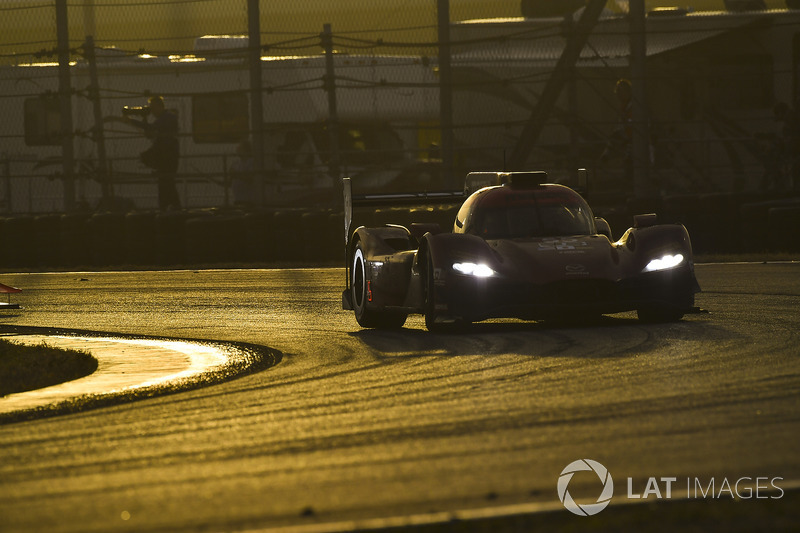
(505, 195)
(532, 210)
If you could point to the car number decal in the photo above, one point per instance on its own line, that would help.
(564, 245)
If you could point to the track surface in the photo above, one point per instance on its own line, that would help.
(356, 424)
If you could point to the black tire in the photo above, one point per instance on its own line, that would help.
(365, 316)
(659, 315)
(430, 297)
(433, 322)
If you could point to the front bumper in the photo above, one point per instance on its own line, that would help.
(478, 299)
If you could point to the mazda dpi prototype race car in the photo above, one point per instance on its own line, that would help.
(519, 248)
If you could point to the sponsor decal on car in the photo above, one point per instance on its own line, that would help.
(576, 269)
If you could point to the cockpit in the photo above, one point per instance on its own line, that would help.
(506, 213)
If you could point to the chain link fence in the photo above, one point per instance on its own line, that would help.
(193, 54)
(712, 83)
(364, 98)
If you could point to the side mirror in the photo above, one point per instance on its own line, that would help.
(603, 228)
(583, 180)
(645, 221)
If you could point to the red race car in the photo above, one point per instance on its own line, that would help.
(519, 248)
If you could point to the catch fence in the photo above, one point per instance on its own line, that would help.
(373, 92)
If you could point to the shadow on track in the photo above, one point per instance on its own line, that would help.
(596, 337)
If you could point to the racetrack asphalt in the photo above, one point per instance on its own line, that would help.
(357, 426)
(123, 364)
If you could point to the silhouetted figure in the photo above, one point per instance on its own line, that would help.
(619, 143)
(163, 154)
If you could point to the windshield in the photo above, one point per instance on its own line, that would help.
(531, 216)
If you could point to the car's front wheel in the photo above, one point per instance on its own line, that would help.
(655, 315)
(669, 310)
(430, 297)
(435, 322)
(361, 296)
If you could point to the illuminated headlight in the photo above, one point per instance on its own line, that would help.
(472, 269)
(664, 263)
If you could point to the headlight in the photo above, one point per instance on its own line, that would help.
(664, 263)
(472, 269)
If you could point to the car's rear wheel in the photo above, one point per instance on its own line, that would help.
(360, 292)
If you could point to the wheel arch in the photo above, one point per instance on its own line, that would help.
(379, 241)
(674, 237)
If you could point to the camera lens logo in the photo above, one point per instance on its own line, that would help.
(566, 477)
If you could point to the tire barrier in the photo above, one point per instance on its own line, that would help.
(170, 238)
(312, 232)
(17, 236)
(140, 238)
(322, 236)
(286, 237)
(258, 228)
(201, 238)
(717, 224)
(754, 219)
(333, 247)
(784, 229)
(74, 241)
(46, 230)
(215, 238)
(760, 219)
(107, 236)
(711, 220)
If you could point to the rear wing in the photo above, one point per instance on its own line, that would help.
(479, 180)
(393, 199)
(473, 182)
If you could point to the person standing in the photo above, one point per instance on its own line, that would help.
(620, 141)
(164, 152)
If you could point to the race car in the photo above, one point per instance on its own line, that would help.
(519, 248)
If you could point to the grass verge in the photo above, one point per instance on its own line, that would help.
(24, 368)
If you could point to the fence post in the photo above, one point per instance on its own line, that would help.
(446, 93)
(65, 98)
(256, 101)
(333, 113)
(640, 141)
(98, 133)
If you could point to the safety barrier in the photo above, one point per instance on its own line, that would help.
(716, 223)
